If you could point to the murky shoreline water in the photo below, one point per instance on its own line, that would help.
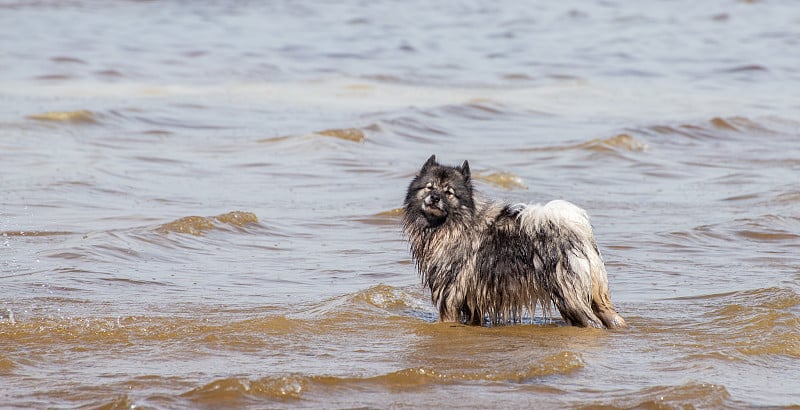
(199, 201)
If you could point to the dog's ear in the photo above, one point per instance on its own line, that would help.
(465, 170)
(429, 163)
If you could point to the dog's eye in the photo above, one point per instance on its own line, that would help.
(450, 192)
(429, 186)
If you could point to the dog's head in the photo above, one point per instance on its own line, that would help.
(439, 193)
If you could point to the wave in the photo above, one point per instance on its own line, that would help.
(120, 402)
(345, 134)
(377, 308)
(197, 225)
(388, 217)
(327, 391)
(231, 391)
(641, 139)
(36, 233)
(748, 325)
(124, 331)
(776, 229)
(505, 180)
(212, 325)
(387, 298)
(377, 301)
(75, 117)
(6, 365)
(623, 142)
(155, 242)
(760, 322)
(689, 395)
(616, 143)
(369, 343)
(722, 127)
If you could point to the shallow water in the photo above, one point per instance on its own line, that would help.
(199, 201)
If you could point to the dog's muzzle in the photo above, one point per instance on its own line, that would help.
(433, 204)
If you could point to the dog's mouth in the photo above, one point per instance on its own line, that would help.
(433, 207)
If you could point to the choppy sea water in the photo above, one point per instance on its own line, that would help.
(199, 200)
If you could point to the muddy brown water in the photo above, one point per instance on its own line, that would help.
(198, 202)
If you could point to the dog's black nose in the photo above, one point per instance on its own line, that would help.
(434, 197)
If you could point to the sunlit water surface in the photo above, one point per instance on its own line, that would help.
(199, 200)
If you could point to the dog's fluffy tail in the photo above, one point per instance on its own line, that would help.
(568, 264)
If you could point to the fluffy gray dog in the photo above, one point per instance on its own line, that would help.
(485, 260)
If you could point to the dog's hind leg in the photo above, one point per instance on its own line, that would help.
(602, 307)
(575, 310)
(601, 298)
(574, 288)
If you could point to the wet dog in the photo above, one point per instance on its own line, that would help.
(487, 261)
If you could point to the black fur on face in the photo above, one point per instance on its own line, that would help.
(439, 193)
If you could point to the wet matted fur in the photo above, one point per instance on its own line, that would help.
(485, 260)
